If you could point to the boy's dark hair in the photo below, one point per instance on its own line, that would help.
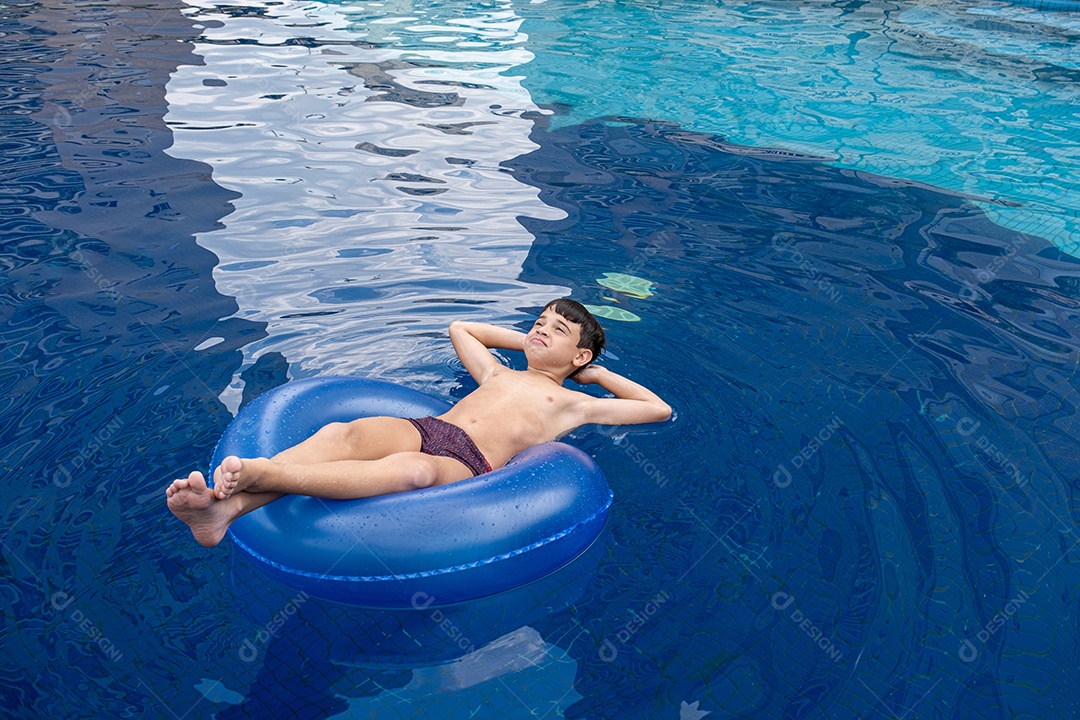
(592, 335)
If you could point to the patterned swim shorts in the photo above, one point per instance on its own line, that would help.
(443, 439)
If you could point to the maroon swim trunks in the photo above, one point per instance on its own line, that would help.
(443, 439)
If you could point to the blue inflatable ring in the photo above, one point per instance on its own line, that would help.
(444, 544)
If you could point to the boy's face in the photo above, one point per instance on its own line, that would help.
(552, 342)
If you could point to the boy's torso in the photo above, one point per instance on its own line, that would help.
(514, 410)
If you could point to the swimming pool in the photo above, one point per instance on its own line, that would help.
(858, 226)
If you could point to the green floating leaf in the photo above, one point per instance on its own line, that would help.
(628, 284)
(612, 313)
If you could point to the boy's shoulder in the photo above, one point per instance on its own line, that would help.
(525, 379)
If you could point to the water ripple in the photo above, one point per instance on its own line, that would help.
(973, 97)
(389, 149)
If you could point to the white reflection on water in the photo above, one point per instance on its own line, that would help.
(365, 140)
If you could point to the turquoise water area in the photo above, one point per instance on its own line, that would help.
(977, 98)
(839, 238)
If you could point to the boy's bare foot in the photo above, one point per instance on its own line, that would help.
(234, 475)
(193, 502)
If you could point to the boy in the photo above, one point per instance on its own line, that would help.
(509, 411)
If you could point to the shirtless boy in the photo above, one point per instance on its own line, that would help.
(510, 411)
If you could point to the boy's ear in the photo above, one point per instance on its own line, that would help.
(583, 357)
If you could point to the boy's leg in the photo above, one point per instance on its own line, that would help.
(342, 460)
(340, 479)
(368, 438)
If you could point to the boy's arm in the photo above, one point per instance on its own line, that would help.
(474, 341)
(633, 404)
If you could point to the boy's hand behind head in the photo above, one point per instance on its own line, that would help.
(588, 375)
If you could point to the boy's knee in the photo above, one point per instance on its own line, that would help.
(421, 472)
(334, 430)
(339, 433)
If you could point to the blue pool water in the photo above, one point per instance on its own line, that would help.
(859, 222)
